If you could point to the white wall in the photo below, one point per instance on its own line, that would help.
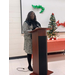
(16, 39)
(51, 6)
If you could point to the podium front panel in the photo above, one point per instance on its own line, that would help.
(42, 40)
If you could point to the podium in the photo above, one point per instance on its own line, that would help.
(39, 49)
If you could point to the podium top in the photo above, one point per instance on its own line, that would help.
(38, 29)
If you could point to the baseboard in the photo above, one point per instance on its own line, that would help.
(18, 57)
(56, 52)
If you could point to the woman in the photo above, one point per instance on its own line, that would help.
(29, 24)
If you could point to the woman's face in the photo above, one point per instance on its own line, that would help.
(32, 15)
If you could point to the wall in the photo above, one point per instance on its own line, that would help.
(16, 39)
(51, 6)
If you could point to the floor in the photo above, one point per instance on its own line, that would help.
(56, 63)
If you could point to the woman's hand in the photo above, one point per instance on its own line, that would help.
(36, 27)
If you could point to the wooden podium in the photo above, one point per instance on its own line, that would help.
(39, 47)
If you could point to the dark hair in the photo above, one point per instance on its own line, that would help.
(30, 21)
(29, 18)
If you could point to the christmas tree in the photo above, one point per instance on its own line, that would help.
(53, 26)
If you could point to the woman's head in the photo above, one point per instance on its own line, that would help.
(31, 16)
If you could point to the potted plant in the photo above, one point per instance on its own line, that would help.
(52, 24)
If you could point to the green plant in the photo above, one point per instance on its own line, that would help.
(52, 24)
